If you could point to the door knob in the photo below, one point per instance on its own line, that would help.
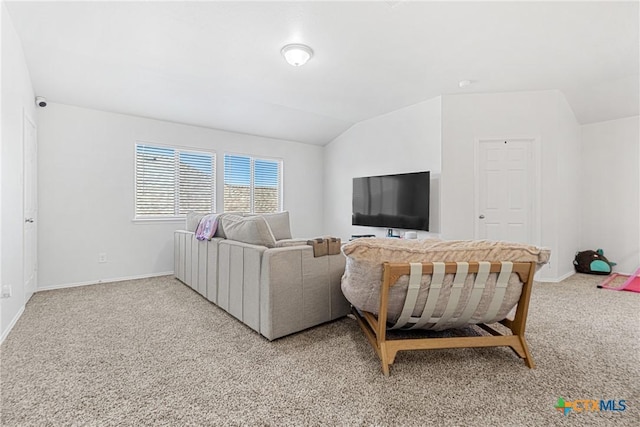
(481, 216)
(28, 220)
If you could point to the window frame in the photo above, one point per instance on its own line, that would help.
(176, 204)
(253, 158)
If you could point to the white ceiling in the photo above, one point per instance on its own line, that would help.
(218, 64)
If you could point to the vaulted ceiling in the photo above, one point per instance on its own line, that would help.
(218, 64)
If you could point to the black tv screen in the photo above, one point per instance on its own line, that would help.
(392, 201)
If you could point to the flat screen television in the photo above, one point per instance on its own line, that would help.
(392, 201)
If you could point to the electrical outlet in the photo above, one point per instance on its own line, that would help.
(6, 291)
(102, 257)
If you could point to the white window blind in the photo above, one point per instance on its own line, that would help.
(252, 185)
(171, 182)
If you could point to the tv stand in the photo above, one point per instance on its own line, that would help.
(359, 236)
(390, 233)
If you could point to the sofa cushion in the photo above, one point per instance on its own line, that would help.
(379, 250)
(252, 229)
(220, 230)
(192, 220)
(279, 224)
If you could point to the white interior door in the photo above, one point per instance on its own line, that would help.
(30, 207)
(506, 190)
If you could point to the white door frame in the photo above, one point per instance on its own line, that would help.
(536, 211)
(28, 120)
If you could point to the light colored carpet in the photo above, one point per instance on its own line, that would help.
(153, 352)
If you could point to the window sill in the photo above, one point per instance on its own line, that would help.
(157, 220)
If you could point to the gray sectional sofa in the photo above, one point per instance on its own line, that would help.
(265, 279)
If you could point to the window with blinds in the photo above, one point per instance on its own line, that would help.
(252, 185)
(171, 182)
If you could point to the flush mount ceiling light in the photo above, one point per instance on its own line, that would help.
(297, 54)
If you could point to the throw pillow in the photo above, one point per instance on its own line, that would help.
(193, 219)
(279, 224)
(220, 230)
(253, 230)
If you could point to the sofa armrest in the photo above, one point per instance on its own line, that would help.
(181, 239)
(298, 290)
(285, 243)
(195, 263)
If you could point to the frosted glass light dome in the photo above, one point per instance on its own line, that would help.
(297, 54)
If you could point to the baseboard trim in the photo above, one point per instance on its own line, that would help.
(103, 281)
(557, 279)
(12, 324)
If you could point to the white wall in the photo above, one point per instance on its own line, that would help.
(406, 140)
(17, 100)
(569, 207)
(466, 118)
(610, 193)
(86, 191)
